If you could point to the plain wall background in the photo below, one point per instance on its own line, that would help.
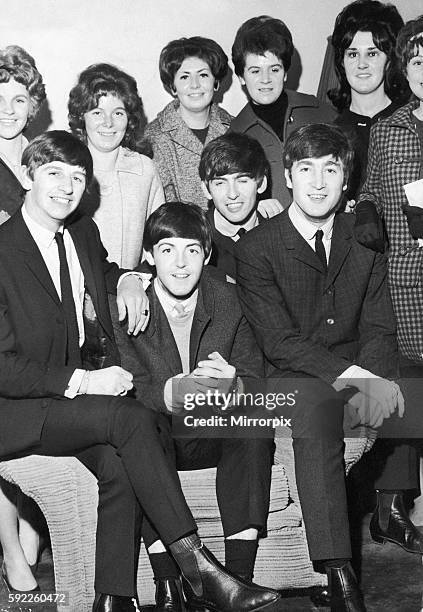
(65, 36)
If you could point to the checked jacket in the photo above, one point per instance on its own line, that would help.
(395, 158)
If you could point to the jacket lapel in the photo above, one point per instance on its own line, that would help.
(178, 130)
(160, 335)
(200, 321)
(32, 256)
(297, 246)
(86, 265)
(340, 247)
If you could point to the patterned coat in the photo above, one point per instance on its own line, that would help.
(177, 151)
(395, 158)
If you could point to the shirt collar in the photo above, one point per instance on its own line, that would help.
(226, 228)
(308, 229)
(168, 302)
(42, 236)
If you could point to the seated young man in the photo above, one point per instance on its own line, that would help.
(198, 340)
(262, 54)
(50, 404)
(319, 305)
(233, 170)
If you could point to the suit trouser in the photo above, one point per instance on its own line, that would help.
(317, 430)
(133, 464)
(243, 476)
(401, 469)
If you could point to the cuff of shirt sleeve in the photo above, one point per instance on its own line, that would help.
(74, 383)
(350, 373)
(171, 402)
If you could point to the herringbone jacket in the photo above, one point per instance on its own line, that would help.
(395, 158)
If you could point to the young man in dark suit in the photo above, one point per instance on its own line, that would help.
(197, 340)
(319, 305)
(233, 170)
(52, 404)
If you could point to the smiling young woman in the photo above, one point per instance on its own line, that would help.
(371, 86)
(21, 94)
(105, 111)
(191, 70)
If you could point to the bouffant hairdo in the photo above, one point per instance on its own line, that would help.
(384, 22)
(177, 51)
(101, 80)
(261, 34)
(16, 63)
(409, 40)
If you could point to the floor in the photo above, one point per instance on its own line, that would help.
(392, 580)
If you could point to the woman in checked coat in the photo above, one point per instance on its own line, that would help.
(396, 159)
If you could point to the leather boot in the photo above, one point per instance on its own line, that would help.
(169, 596)
(396, 526)
(209, 587)
(114, 603)
(345, 593)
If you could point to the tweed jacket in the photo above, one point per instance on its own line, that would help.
(302, 109)
(395, 158)
(177, 151)
(122, 228)
(218, 325)
(32, 329)
(309, 322)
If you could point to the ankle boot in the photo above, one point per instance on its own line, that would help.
(396, 526)
(345, 595)
(169, 596)
(209, 587)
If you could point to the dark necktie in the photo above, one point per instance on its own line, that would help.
(320, 249)
(73, 352)
(241, 232)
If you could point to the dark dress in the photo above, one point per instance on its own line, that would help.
(11, 192)
(357, 128)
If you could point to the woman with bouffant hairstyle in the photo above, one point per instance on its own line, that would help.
(371, 86)
(191, 70)
(106, 112)
(21, 95)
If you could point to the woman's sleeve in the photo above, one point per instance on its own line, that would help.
(372, 190)
(162, 150)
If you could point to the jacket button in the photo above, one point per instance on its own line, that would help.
(398, 159)
(330, 321)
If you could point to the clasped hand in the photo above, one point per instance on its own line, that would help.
(213, 374)
(376, 400)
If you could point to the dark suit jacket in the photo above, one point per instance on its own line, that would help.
(223, 249)
(33, 330)
(309, 322)
(218, 325)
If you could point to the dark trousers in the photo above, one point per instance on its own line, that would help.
(318, 441)
(401, 469)
(242, 481)
(121, 442)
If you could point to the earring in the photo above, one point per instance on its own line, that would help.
(216, 86)
(173, 91)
